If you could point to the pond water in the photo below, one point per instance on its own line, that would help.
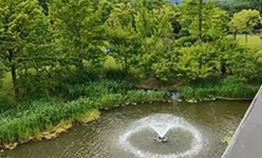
(123, 133)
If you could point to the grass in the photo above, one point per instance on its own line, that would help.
(229, 88)
(95, 89)
(232, 87)
(46, 118)
(254, 41)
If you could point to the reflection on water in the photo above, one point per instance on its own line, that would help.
(99, 139)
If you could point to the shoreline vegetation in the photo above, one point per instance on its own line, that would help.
(48, 117)
(229, 88)
(59, 66)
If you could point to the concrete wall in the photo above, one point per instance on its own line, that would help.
(247, 141)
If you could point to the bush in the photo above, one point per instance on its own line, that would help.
(35, 86)
(186, 41)
(79, 77)
(115, 74)
(6, 102)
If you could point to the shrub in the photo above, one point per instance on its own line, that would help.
(79, 77)
(115, 74)
(186, 41)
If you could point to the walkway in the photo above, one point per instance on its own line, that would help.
(247, 141)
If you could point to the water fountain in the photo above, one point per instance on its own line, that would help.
(161, 124)
(162, 139)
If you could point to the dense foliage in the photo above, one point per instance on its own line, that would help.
(230, 88)
(42, 42)
(89, 53)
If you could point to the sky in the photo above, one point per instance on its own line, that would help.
(177, 1)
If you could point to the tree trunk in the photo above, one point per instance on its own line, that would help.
(14, 79)
(200, 20)
(13, 73)
(234, 36)
(246, 38)
(223, 69)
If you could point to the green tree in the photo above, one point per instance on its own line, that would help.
(226, 51)
(80, 31)
(244, 22)
(155, 30)
(43, 3)
(252, 4)
(123, 39)
(200, 20)
(22, 25)
(210, 24)
(197, 61)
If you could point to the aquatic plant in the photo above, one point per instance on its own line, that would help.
(229, 87)
(233, 87)
(96, 89)
(187, 92)
(46, 118)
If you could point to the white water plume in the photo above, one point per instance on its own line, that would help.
(161, 124)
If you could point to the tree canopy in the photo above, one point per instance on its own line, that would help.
(41, 42)
(245, 21)
(24, 37)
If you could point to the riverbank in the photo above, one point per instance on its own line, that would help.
(81, 103)
(47, 118)
(227, 88)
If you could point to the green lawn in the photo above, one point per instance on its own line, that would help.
(111, 63)
(254, 41)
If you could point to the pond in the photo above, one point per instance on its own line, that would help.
(196, 130)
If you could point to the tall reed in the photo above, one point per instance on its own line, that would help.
(229, 87)
(32, 118)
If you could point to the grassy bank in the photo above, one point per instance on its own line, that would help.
(46, 118)
(253, 41)
(229, 88)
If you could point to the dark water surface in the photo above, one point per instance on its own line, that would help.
(100, 138)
